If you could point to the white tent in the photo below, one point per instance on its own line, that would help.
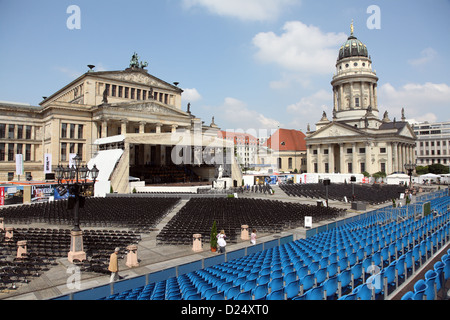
(430, 177)
(397, 179)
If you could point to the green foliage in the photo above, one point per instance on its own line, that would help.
(213, 239)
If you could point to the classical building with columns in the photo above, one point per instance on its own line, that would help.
(354, 139)
(127, 109)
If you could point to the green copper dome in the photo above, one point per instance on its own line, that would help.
(353, 48)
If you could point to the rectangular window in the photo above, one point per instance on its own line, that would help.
(127, 92)
(28, 152)
(316, 169)
(72, 148)
(2, 130)
(382, 150)
(80, 150)
(20, 132)
(63, 151)
(363, 167)
(10, 176)
(349, 150)
(383, 167)
(64, 130)
(138, 94)
(28, 132)
(113, 91)
(80, 131)
(133, 91)
(120, 92)
(327, 168)
(10, 131)
(19, 149)
(362, 150)
(2, 152)
(10, 152)
(107, 88)
(72, 131)
(350, 167)
(290, 163)
(356, 102)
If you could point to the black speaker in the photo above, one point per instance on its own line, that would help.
(353, 179)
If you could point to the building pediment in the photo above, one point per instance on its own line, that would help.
(335, 130)
(149, 107)
(137, 77)
(408, 132)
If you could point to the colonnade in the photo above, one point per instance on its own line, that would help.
(356, 157)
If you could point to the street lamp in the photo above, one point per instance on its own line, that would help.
(74, 180)
(410, 168)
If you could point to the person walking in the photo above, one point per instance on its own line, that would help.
(253, 237)
(114, 265)
(221, 241)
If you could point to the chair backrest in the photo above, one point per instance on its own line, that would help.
(330, 286)
(292, 289)
(245, 295)
(276, 283)
(363, 292)
(276, 295)
(260, 291)
(315, 293)
(307, 282)
(231, 292)
(408, 296)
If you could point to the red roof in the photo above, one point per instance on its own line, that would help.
(287, 140)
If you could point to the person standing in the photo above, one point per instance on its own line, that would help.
(114, 265)
(253, 237)
(221, 241)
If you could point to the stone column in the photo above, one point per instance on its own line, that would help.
(319, 159)
(158, 127)
(21, 248)
(123, 127)
(341, 98)
(354, 158)
(343, 168)
(197, 243)
(331, 158)
(352, 103)
(395, 157)
(389, 164)
(104, 129)
(142, 126)
(244, 233)
(368, 156)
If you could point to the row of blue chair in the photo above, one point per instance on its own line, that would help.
(330, 265)
(434, 282)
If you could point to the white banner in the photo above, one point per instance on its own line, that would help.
(71, 161)
(19, 164)
(47, 163)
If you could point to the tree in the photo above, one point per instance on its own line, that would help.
(213, 239)
(422, 170)
(437, 168)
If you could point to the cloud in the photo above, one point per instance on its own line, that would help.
(423, 102)
(191, 95)
(246, 10)
(427, 55)
(309, 109)
(300, 48)
(235, 114)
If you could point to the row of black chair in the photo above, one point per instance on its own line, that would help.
(271, 216)
(372, 194)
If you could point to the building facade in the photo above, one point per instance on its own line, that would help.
(246, 147)
(433, 144)
(286, 151)
(142, 112)
(355, 139)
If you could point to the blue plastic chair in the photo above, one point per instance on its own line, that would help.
(248, 285)
(350, 296)
(400, 267)
(217, 296)
(302, 271)
(431, 282)
(419, 289)
(344, 281)
(357, 273)
(408, 296)
(321, 275)
(306, 283)
(332, 269)
(276, 284)
(330, 287)
(260, 292)
(315, 293)
(292, 289)
(232, 292)
(265, 279)
(276, 295)
(245, 295)
(363, 292)
(439, 269)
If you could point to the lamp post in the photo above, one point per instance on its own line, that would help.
(74, 180)
(326, 183)
(410, 168)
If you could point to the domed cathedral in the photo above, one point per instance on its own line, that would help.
(355, 139)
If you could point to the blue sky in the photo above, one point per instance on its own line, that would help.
(252, 64)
